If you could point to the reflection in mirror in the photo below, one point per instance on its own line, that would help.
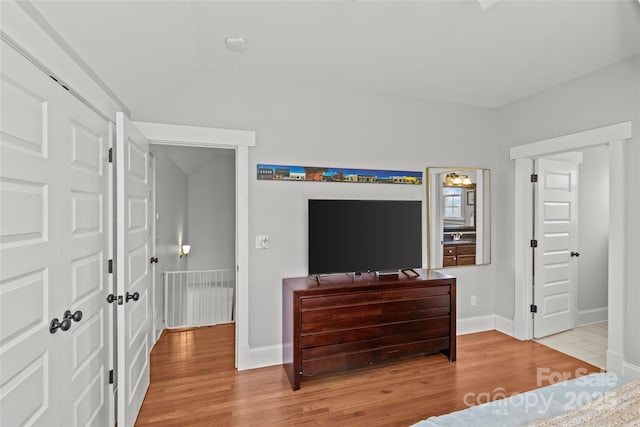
(458, 217)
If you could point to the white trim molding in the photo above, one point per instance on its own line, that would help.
(269, 355)
(195, 136)
(470, 325)
(574, 141)
(592, 315)
(504, 325)
(631, 371)
(615, 137)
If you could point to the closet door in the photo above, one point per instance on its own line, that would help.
(30, 243)
(133, 273)
(85, 227)
(53, 242)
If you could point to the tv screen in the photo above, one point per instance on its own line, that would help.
(364, 235)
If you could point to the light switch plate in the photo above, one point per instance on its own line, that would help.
(262, 241)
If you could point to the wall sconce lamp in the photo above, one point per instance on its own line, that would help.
(184, 250)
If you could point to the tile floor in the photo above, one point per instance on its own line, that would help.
(588, 343)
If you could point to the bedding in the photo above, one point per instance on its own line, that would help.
(596, 399)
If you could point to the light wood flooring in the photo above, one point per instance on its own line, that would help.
(588, 343)
(194, 383)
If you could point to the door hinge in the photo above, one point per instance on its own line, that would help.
(534, 177)
(110, 266)
(534, 243)
(111, 376)
(110, 155)
(534, 308)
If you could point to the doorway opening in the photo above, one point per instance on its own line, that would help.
(614, 137)
(239, 141)
(571, 211)
(194, 217)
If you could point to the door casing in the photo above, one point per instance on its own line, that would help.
(614, 136)
(240, 141)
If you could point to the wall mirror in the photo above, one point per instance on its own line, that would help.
(458, 217)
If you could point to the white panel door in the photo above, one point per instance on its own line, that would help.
(556, 226)
(30, 242)
(133, 273)
(85, 229)
(52, 242)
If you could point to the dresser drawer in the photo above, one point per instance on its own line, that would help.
(340, 318)
(449, 251)
(403, 328)
(338, 337)
(341, 300)
(341, 362)
(414, 293)
(415, 304)
(449, 261)
(425, 313)
(337, 349)
(466, 250)
(466, 259)
(403, 350)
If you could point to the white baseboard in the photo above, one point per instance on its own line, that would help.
(470, 325)
(243, 358)
(504, 325)
(268, 355)
(521, 329)
(630, 371)
(592, 315)
(614, 362)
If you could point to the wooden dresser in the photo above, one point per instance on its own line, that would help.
(344, 321)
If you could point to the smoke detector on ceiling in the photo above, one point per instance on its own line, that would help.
(237, 44)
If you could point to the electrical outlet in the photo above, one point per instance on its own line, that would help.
(262, 242)
(474, 301)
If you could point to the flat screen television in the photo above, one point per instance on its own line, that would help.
(364, 235)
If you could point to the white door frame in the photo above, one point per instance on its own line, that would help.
(614, 136)
(240, 140)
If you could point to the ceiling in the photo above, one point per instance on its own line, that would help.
(445, 50)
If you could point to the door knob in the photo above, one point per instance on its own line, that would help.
(57, 324)
(111, 298)
(76, 317)
(575, 254)
(134, 296)
(153, 259)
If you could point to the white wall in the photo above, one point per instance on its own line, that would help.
(212, 203)
(610, 95)
(171, 227)
(332, 127)
(593, 234)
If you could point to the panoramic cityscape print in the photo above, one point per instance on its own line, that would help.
(325, 174)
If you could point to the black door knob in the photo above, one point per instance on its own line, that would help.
(76, 317)
(134, 296)
(575, 254)
(111, 298)
(57, 324)
(153, 259)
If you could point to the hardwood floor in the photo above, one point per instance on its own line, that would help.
(193, 382)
